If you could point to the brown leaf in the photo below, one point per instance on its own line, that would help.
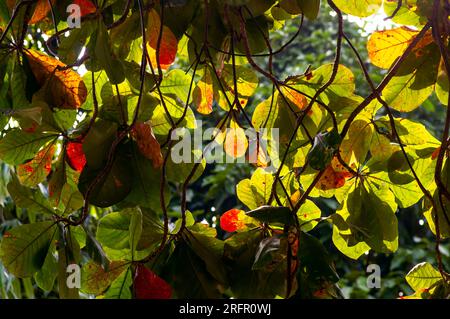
(64, 86)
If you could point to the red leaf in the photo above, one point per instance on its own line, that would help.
(75, 156)
(168, 46)
(232, 220)
(86, 6)
(147, 285)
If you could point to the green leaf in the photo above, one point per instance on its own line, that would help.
(408, 13)
(24, 249)
(113, 230)
(271, 250)
(414, 81)
(315, 258)
(372, 211)
(104, 56)
(202, 239)
(69, 253)
(114, 185)
(120, 287)
(45, 277)
(270, 214)
(31, 199)
(95, 280)
(423, 276)
(324, 147)
(255, 192)
(310, 8)
(146, 182)
(18, 146)
(192, 278)
(70, 47)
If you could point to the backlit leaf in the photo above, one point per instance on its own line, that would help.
(233, 220)
(168, 44)
(35, 171)
(203, 94)
(359, 8)
(75, 155)
(147, 143)
(64, 86)
(385, 47)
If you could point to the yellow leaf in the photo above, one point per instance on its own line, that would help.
(387, 46)
(65, 86)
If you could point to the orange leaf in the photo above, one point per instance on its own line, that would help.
(236, 142)
(387, 46)
(65, 86)
(35, 171)
(233, 220)
(298, 99)
(147, 143)
(435, 154)
(168, 46)
(86, 6)
(203, 94)
(334, 177)
(41, 11)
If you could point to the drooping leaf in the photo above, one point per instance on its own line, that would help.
(63, 86)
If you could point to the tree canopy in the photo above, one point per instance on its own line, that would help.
(100, 125)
